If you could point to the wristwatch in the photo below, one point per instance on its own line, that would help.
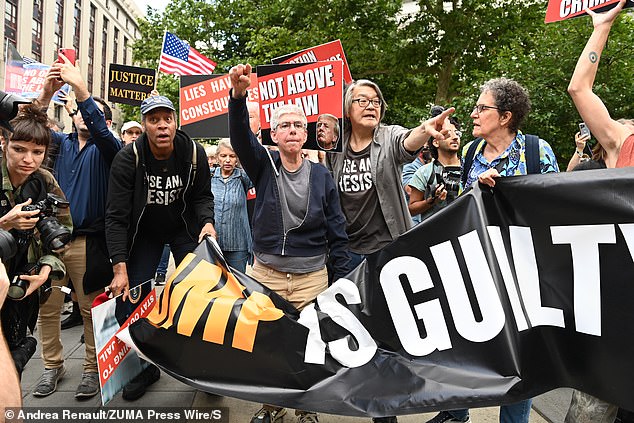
(579, 153)
(73, 113)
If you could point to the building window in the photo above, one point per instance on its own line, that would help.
(36, 32)
(91, 46)
(11, 21)
(77, 21)
(115, 46)
(125, 51)
(58, 112)
(104, 55)
(59, 24)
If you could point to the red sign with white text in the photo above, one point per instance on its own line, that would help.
(317, 88)
(559, 10)
(112, 354)
(204, 104)
(324, 52)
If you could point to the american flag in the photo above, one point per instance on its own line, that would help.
(180, 58)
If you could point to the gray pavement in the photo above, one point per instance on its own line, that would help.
(168, 392)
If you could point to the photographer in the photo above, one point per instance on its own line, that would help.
(10, 394)
(25, 249)
(436, 184)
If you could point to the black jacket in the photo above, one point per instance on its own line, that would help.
(128, 188)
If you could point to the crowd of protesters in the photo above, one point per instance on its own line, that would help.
(314, 218)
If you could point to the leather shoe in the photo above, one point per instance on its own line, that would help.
(73, 319)
(136, 388)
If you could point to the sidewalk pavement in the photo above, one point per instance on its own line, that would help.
(168, 392)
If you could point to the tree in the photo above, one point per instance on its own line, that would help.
(439, 55)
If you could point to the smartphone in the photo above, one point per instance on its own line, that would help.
(69, 53)
(583, 130)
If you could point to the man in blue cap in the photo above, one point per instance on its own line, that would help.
(159, 193)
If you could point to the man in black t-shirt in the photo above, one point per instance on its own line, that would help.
(159, 193)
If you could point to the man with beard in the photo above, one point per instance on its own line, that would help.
(429, 194)
(81, 168)
(327, 131)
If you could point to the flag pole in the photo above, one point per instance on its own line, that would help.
(158, 72)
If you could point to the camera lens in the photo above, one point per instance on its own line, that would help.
(8, 246)
(53, 234)
(18, 288)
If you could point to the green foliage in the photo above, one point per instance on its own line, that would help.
(440, 55)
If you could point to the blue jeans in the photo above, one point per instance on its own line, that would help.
(512, 413)
(143, 261)
(165, 259)
(355, 259)
(237, 259)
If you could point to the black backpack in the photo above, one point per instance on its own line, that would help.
(532, 156)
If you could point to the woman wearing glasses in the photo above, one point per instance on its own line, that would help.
(368, 172)
(500, 150)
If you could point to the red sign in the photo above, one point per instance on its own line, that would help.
(207, 96)
(324, 52)
(315, 87)
(113, 353)
(559, 10)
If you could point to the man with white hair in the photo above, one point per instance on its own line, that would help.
(298, 225)
(327, 131)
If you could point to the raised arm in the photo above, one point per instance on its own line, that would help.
(430, 128)
(609, 133)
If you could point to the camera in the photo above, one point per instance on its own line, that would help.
(9, 108)
(53, 234)
(18, 287)
(449, 177)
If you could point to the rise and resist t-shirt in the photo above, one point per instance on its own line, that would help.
(162, 216)
(365, 224)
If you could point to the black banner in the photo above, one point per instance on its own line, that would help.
(505, 294)
(130, 84)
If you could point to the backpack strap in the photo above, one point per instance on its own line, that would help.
(136, 155)
(468, 160)
(194, 159)
(532, 154)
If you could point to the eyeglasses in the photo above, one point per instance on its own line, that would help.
(364, 102)
(480, 107)
(285, 126)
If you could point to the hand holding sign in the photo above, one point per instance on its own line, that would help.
(606, 18)
(240, 76)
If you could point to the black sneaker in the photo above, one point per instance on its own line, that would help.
(446, 417)
(268, 415)
(135, 389)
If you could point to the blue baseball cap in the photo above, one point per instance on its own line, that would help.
(154, 102)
